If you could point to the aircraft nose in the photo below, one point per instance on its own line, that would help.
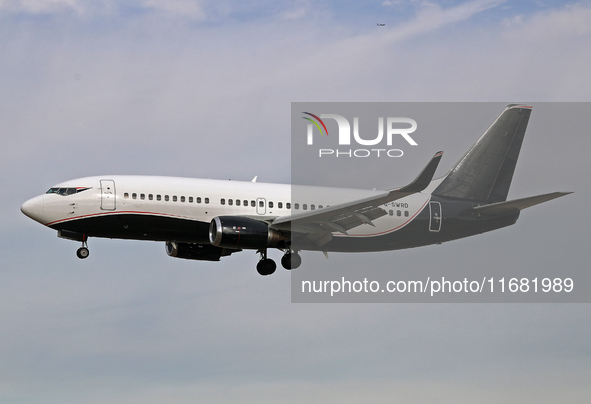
(33, 208)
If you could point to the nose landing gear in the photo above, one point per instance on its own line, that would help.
(83, 252)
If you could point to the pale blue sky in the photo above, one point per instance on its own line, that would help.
(203, 89)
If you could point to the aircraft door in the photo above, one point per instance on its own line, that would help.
(107, 195)
(436, 218)
(261, 206)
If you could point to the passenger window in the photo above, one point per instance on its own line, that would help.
(182, 199)
(288, 205)
(270, 204)
(142, 196)
(312, 207)
(391, 212)
(174, 198)
(253, 204)
(245, 202)
(198, 199)
(223, 201)
(190, 199)
(134, 196)
(305, 206)
(166, 198)
(296, 206)
(158, 197)
(280, 205)
(319, 206)
(398, 213)
(406, 213)
(126, 195)
(261, 204)
(237, 202)
(206, 200)
(230, 202)
(150, 197)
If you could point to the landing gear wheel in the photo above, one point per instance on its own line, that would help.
(266, 266)
(291, 260)
(83, 252)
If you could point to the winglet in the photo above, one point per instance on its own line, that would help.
(425, 177)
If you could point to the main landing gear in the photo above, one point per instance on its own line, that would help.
(266, 266)
(83, 252)
(291, 260)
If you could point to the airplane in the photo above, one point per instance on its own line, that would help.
(381, 25)
(205, 219)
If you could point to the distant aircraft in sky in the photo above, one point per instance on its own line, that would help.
(203, 219)
(380, 25)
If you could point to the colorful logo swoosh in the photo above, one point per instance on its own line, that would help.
(316, 123)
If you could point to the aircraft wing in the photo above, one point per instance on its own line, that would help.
(342, 217)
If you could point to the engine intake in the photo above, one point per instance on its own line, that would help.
(243, 233)
(191, 251)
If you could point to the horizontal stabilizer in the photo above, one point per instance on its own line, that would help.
(519, 204)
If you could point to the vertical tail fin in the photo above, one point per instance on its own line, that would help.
(485, 172)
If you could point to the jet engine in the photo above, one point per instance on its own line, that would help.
(191, 251)
(243, 233)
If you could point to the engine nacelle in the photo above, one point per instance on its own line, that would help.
(243, 233)
(191, 251)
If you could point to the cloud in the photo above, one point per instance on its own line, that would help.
(572, 21)
(431, 16)
(192, 9)
(388, 3)
(41, 6)
(296, 13)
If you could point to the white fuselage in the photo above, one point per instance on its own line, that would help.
(201, 200)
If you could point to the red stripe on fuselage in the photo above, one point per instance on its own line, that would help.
(135, 212)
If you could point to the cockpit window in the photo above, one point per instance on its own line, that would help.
(66, 191)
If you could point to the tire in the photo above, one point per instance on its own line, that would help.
(291, 261)
(266, 267)
(82, 253)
